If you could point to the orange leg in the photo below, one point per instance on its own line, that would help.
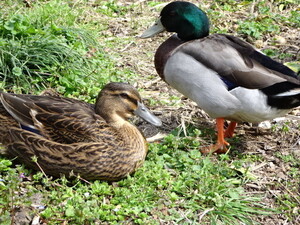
(221, 145)
(230, 130)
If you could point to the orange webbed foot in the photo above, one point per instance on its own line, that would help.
(218, 148)
(221, 146)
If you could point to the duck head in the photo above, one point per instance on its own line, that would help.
(117, 102)
(184, 18)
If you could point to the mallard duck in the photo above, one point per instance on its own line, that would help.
(67, 135)
(223, 74)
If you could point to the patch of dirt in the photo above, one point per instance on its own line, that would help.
(26, 215)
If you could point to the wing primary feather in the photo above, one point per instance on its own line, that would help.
(16, 106)
(272, 64)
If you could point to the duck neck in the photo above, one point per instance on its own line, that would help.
(163, 53)
(133, 139)
(130, 137)
(129, 132)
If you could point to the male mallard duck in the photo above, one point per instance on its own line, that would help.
(224, 75)
(69, 135)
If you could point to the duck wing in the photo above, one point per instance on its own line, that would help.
(239, 63)
(59, 119)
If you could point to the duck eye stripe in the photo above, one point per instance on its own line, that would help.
(126, 96)
(129, 98)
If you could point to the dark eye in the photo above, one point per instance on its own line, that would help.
(124, 95)
(128, 98)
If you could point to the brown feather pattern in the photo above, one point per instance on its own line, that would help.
(74, 137)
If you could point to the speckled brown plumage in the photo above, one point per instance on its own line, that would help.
(70, 136)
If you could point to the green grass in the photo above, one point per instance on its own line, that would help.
(79, 52)
(176, 184)
(40, 49)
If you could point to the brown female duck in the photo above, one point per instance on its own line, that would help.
(67, 135)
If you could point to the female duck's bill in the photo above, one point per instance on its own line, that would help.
(143, 112)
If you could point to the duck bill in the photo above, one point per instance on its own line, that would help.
(143, 112)
(156, 28)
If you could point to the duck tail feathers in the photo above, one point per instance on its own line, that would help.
(284, 101)
(290, 93)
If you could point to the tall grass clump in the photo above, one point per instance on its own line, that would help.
(43, 46)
